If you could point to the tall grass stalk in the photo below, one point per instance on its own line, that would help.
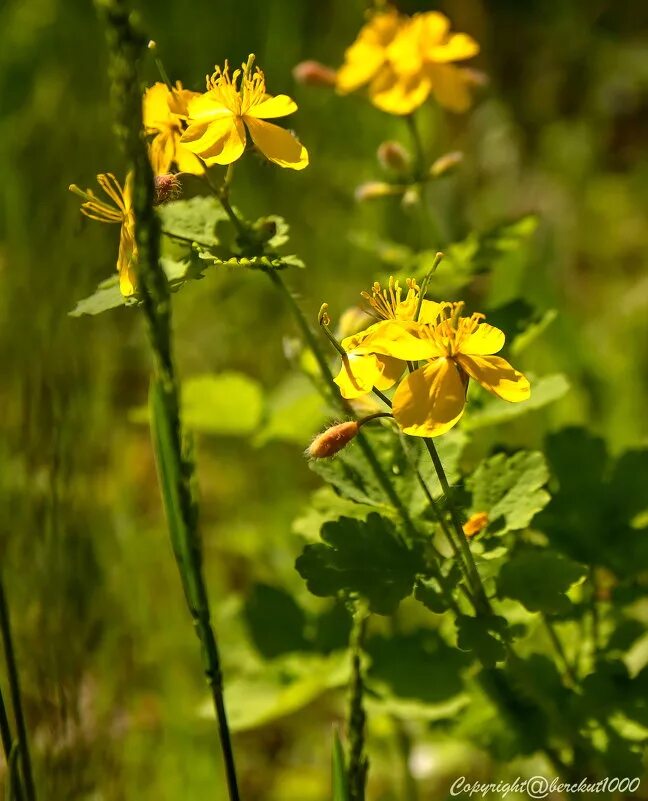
(358, 763)
(175, 466)
(16, 702)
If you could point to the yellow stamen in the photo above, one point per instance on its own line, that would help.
(385, 302)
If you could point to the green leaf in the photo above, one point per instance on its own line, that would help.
(544, 391)
(326, 505)
(429, 593)
(510, 487)
(483, 637)
(340, 784)
(229, 404)
(539, 579)
(275, 621)
(418, 665)
(360, 557)
(194, 219)
(281, 687)
(535, 330)
(107, 296)
(253, 262)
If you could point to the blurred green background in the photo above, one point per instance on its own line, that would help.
(109, 664)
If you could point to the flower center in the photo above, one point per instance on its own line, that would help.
(241, 90)
(451, 329)
(388, 304)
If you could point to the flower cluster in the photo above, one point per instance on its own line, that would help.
(190, 132)
(403, 60)
(451, 347)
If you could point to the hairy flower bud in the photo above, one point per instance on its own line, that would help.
(475, 524)
(375, 189)
(167, 187)
(331, 441)
(446, 163)
(411, 198)
(312, 73)
(393, 156)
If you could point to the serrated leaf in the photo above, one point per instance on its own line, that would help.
(363, 558)
(510, 487)
(253, 262)
(326, 505)
(275, 621)
(107, 296)
(482, 636)
(544, 391)
(539, 579)
(194, 219)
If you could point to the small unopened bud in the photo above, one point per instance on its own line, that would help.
(167, 187)
(152, 44)
(332, 440)
(323, 316)
(446, 163)
(411, 198)
(475, 524)
(375, 189)
(312, 73)
(393, 156)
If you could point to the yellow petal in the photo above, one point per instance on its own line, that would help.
(156, 107)
(484, 341)
(187, 161)
(358, 375)
(161, 153)
(398, 94)
(201, 137)
(434, 27)
(404, 341)
(429, 401)
(497, 376)
(277, 144)
(458, 47)
(390, 371)
(127, 258)
(404, 52)
(229, 147)
(450, 85)
(279, 106)
(368, 53)
(206, 108)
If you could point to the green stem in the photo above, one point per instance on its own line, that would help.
(404, 743)
(462, 540)
(560, 651)
(9, 747)
(16, 698)
(419, 151)
(358, 763)
(126, 48)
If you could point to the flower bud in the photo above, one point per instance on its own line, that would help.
(312, 73)
(331, 441)
(393, 156)
(475, 524)
(167, 187)
(411, 198)
(375, 189)
(446, 163)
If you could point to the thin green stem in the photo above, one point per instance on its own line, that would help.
(404, 744)
(462, 540)
(358, 763)
(419, 151)
(560, 651)
(16, 698)
(176, 468)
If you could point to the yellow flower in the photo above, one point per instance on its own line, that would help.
(368, 364)
(218, 120)
(120, 212)
(430, 400)
(404, 60)
(165, 114)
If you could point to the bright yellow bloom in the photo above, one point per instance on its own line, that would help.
(165, 114)
(368, 364)
(218, 120)
(404, 60)
(121, 212)
(430, 400)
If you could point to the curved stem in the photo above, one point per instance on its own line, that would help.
(560, 651)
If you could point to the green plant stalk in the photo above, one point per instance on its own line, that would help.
(560, 651)
(404, 744)
(358, 763)
(462, 541)
(176, 471)
(5, 729)
(16, 700)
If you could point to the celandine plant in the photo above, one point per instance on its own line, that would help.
(520, 635)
